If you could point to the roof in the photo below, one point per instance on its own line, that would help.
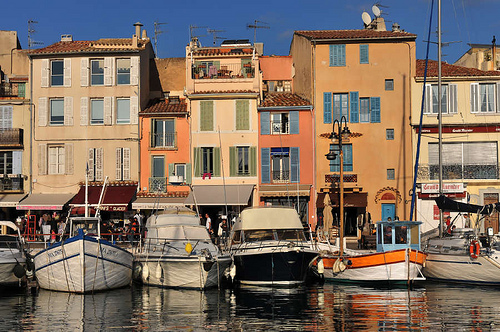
(158, 106)
(280, 99)
(222, 51)
(259, 218)
(222, 91)
(354, 34)
(448, 70)
(86, 46)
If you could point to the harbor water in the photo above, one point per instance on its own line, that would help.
(327, 307)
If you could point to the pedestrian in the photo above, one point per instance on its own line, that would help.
(208, 225)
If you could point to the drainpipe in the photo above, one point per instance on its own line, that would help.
(30, 174)
(313, 113)
(139, 126)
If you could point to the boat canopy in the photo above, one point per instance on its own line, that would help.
(9, 224)
(268, 218)
(398, 234)
(167, 219)
(447, 204)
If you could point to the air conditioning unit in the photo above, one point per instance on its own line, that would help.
(176, 179)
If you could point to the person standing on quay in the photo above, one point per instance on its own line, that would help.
(208, 224)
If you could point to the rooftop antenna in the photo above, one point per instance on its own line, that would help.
(214, 33)
(157, 32)
(31, 31)
(192, 36)
(376, 11)
(367, 20)
(256, 26)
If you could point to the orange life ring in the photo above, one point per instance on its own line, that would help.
(474, 249)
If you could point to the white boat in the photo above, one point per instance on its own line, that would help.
(84, 262)
(269, 248)
(12, 255)
(179, 253)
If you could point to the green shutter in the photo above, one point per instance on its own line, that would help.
(253, 161)
(197, 162)
(188, 174)
(21, 90)
(233, 161)
(171, 169)
(217, 162)
(242, 115)
(206, 115)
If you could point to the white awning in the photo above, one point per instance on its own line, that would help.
(221, 195)
(150, 203)
(44, 202)
(11, 200)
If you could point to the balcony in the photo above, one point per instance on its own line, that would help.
(224, 71)
(428, 172)
(11, 183)
(11, 138)
(335, 178)
(164, 141)
(281, 176)
(13, 90)
(158, 185)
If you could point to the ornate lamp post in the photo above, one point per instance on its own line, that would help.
(343, 132)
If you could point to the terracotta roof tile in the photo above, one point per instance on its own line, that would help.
(222, 91)
(276, 99)
(354, 34)
(448, 70)
(226, 51)
(157, 107)
(85, 46)
(180, 194)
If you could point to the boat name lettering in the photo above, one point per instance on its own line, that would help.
(55, 253)
(109, 252)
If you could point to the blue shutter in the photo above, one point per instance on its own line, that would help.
(334, 164)
(337, 55)
(294, 122)
(354, 97)
(295, 164)
(363, 53)
(327, 107)
(347, 149)
(375, 109)
(331, 55)
(265, 124)
(265, 165)
(342, 55)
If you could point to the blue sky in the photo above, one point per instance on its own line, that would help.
(463, 21)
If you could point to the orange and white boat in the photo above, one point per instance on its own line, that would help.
(398, 259)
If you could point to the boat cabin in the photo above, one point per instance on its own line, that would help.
(87, 225)
(394, 235)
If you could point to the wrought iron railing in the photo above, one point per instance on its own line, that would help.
(11, 182)
(13, 90)
(11, 137)
(158, 185)
(458, 171)
(334, 178)
(281, 176)
(164, 140)
(224, 70)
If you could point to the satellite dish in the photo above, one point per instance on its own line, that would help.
(376, 10)
(366, 18)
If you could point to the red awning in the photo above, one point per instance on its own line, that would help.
(116, 198)
(350, 200)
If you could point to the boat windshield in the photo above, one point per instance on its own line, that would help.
(269, 234)
(89, 227)
(291, 235)
(259, 235)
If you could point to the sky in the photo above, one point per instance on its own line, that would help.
(463, 21)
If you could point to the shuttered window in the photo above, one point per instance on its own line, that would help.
(96, 164)
(57, 158)
(97, 111)
(354, 99)
(6, 117)
(123, 71)
(206, 115)
(448, 99)
(57, 112)
(347, 155)
(294, 164)
(56, 73)
(375, 109)
(242, 115)
(337, 55)
(97, 72)
(122, 164)
(123, 110)
(340, 106)
(327, 107)
(363, 53)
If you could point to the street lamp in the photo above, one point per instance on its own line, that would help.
(343, 132)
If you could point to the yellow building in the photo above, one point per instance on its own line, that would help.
(364, 76)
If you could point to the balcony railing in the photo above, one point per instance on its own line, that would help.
(13, 90)
(11, 183)
(224, 71)
(459, 171)
(335, 178)
(164, 140)
(11, 137)
(281, 176)
(158, 185)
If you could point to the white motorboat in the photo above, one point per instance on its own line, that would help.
(269, 248)
(84, 262)
(179, 253)
(12, 255)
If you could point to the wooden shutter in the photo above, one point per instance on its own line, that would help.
(327, 106)
(43, 104)
(171, 169)
(217, 162)
(331, 56)
(134, 70)
(108, 71)
(69, 160)
(242, 115)
(265, 165)
(188, 174)
(347, 151)
(428, 99)
(17, 162)
(295, 164)
(197, 162)
(265, 123)
(45, 73)
(474, 98)
(134, 110)
(6, 113)
(497, 85)
(67, 72)
(108, 110)
(253, 160)
(233, 161)
(84, 111)
(84, 71)
(294, 122)
(354, 98)
(375, 109)
(363, 54)
(126, 163)
(452, 99)
(91, 164)
(99, 164)
(206, 116)
(118, 164)
(42, 159)
(68, 111)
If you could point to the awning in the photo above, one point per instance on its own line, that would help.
(350, 200)
(214, 195)
(149, 203)
(116, 198)
(285, 190)
(44, 202)
(11, 200)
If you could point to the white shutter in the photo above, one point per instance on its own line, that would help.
(99, 163)
(68, 163)
(482, 153)
(134, 70)
(119, 163)
(453, 98)
(68, 111)
(108, 71)
(45, 73)
(84, 111)
(134, 109)
(474, 97)
(497, 96)
(91, 164)
(108, 110)
(126, 163)
(84, 72)
(42, 159)
(17, 162)
(42, 111)
(53, 159)
(67, 72)
(428, 99)
(6, 117)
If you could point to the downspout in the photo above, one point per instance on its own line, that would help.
(313, 113)
(411, 129)
(139, 129)
(30, 175)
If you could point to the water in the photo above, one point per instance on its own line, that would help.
(314, 308)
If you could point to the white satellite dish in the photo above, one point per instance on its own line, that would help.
(376, 11)
(366, 18)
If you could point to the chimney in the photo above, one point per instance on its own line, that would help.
(66, 38)
(396, 27)
(136, 36)
(259, 47)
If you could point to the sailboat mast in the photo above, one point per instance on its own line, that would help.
(440, 129)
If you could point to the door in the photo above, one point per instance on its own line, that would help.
(491, 220)
(388, 210)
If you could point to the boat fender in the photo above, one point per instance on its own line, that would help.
(159, 271)
(188, 247)
(136, 274)
(19, 271)
(347, 262)
(232, 272)
(145, 272)
(338, 266)
(29, 264)
(207, 265)
(321, 266)
(474, 249)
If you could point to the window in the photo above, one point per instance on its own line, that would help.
(347, 154)
(389, 134)
(180, 170)
(206, 115)
(280, 123)
(242, 115)
(123, 110)
(243, 160)
(6, 162)
(57, 111)
(363, 54)
(6, 117)
(340, 107)
(207, 160)
(123, 71)
(163, 133)
(364, 110)
(448, 99)
(391, 174)
(389, 84)
(96, 164)
(97, 111)
(57, 73)
(337, 55)
(56, 159)
(158, 166)
(483, 98)
(158, 181)
(280, 164)
(122, 164)
(97, 72)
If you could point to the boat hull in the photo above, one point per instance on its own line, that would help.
(83, 264)
(7, 266)
(194, 272)
(390, 267)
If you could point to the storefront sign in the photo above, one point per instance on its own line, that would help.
(432, 188)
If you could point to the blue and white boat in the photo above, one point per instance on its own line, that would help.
(84, 262)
